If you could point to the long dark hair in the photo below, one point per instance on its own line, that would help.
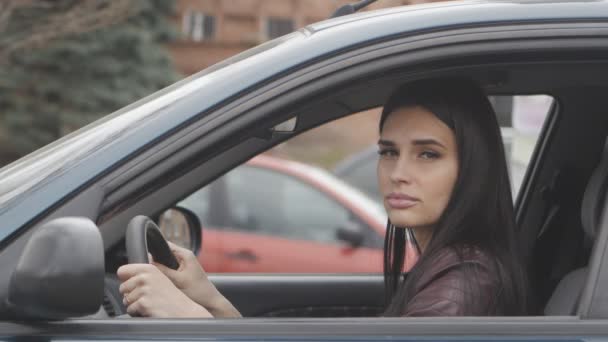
(480, 211)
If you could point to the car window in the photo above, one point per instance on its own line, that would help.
(528, 114)
(317, 193)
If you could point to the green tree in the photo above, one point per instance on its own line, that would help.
(49, 91)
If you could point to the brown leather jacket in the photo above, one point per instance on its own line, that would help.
(447, 289)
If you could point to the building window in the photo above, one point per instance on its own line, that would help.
(198, 26)
(276, 27)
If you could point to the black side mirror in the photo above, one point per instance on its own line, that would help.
(60, 273)
(181, 227)
(350, 233)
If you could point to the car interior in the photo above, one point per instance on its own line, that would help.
(549, 208)
(558, 208)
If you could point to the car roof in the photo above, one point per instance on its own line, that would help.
(65, 166)
(458, 13)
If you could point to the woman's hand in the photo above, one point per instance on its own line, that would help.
(192, 280)
(148, 292)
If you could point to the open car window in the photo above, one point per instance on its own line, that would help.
(297, 200)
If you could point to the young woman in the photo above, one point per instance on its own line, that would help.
(444, 179)
(443, 173)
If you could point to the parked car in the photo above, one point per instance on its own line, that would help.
(271, 214)
(70, 212)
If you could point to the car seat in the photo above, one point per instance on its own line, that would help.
(565, 298)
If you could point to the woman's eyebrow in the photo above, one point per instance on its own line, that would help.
(428, 142)
(386, 142)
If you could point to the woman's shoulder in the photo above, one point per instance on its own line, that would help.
(456, 259)
(462, 254)
(457, 281)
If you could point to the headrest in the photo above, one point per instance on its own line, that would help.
(595, 195)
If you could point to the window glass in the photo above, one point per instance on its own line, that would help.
(277, 27)
(521, 119)
(198, 26)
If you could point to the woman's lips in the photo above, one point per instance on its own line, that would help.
(401, 201)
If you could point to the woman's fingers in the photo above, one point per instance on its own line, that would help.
(127, 287)
(138, 308)
(175, 247)
(132, 309)
(127, 299)
(128, 271)
(170, 273)
(133, 296)
(148, 292)
(180, 252)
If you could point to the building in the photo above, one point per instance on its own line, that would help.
(213, 30)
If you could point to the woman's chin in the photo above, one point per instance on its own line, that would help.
(403, 221)
(408, 219)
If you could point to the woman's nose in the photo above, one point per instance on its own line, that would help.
(401, 172)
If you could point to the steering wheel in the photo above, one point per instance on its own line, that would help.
(143, 237)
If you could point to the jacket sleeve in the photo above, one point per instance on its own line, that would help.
(454, 287)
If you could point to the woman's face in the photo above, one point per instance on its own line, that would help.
(417, 168)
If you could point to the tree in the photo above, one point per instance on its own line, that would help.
(26, 24)
(48, 91)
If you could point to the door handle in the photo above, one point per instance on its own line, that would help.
(243, 254)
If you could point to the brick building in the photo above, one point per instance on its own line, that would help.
(213, 30)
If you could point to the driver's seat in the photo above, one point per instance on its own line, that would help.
(565, 298)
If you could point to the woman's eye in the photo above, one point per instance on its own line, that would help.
(387, 153)
(429, 155)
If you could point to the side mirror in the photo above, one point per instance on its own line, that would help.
(350, 233)
(60, 273)
(182, 227)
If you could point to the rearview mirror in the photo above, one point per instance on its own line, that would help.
(181, 227)
(60, 273)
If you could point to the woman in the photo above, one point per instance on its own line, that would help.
(443, 175)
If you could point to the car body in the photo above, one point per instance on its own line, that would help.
(152, 154)
(250, 227)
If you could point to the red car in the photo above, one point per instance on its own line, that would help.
(275, 215)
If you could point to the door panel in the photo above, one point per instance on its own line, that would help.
(303, 295)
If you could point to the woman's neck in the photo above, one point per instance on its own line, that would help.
(423, 236)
